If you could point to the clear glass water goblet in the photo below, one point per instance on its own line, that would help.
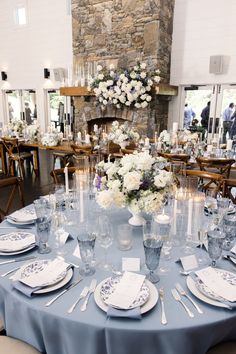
(105, 239)
(229, 228)
(86, 243)
(43, 225)
(215, 241)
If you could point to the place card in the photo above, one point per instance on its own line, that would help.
(130, 264)
(189, 262)
(76, 252)
(63, 236)
(126, 290)
(217, 284)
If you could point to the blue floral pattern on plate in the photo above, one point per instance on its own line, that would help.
(227, 276)
(109, 286)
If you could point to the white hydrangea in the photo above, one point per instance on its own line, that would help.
(105, 199)
(132, 180)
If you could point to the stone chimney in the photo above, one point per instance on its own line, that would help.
(122, 32)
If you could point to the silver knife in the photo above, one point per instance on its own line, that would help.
(91, 290)
(177, 297)
(68, 287)
(18, 260)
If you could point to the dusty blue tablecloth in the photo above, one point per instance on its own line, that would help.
(52, 330)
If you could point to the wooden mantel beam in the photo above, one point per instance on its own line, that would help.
(160, 89)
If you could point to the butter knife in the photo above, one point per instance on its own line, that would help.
(18, 260)
(68, 287)
(177, 297)
(91, 290)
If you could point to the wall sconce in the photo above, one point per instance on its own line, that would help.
(4, 75)
(46, 73)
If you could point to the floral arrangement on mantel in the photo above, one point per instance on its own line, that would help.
(166, 140)
(188, 138)
(33, 133)
(122, 134)
(124, 87)
(137, 181)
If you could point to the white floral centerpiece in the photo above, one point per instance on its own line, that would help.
(124, 87)
(188, 138)
(51, 138)
(17, 125)
(166, 140)
(137, 181)
(122, 134)
(33, 133)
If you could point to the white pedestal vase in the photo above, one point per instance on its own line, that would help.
(136, 219)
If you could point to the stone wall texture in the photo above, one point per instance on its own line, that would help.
(122, 32)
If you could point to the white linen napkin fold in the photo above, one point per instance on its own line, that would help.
(11, 245)
(23, 216)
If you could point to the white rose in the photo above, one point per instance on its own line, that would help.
(133, 75)
(99, 68)
(119, 199)
(144, 104)
(105, 199)
(109, 82)
(148, 88)
(100, 77)
(127, 103)
(143, 97)
(137, 105)
(112, 73)
(158, 71)
(132, 181)
(115, 101)
(100, 99)
(122, 76)
(150, 82)
(104, 102)
(135, 68)
(157, 79)
(112, 67)
(143, 75)
(143, 66)
(148, 98)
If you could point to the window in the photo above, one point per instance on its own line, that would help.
(20, 13)
(21, 16)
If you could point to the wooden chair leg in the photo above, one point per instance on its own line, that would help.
(20, 190)
(21, 168)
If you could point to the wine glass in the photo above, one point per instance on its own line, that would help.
(215, 241)
(152, 249)
(105, 239)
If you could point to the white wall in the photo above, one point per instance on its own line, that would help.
(202, 28)
(45, 42)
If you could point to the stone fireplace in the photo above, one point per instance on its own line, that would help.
(121, 32)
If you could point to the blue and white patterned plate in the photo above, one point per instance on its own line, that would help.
(227, 276)
(37, 267)
(109, 286)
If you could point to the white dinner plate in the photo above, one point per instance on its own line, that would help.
(151, 302)
(18, 252)
(56, 286)
(192, 287)
(20, 223)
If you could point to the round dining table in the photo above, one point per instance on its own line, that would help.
(53, 330)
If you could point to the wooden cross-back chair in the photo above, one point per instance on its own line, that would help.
(113, 148)
(219, 165)
(58, 175)
(16, 156)
(175, 157)
(228, 185)
(12, 185)
(207, 180)
(82, 149)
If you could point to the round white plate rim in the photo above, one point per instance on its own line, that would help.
(149, 304)
(18, 252)
(56, 286)
(23, 249)
(20, 223)
(192, 287)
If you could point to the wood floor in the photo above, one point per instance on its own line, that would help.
(34, 186)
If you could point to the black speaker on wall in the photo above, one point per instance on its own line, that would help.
(4, 75)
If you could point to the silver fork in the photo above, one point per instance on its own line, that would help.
(163, 314)
(91, 290)
(84, 293)
(177, 297)
(183, 293)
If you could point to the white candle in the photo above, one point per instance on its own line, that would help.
(81, 200)
(229, 144)
(175, 126)
(66, 179)
(87, 139)
(146, 141)
(79, 136)
(159, 145)
(95, 128)
(163, 219)
(109, 158)
(174, 217)
(155, 137)
(190, 215)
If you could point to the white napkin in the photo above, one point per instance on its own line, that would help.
(23, 216)
(46, 276)
(217, 284)
(126, 290)
(16, 245)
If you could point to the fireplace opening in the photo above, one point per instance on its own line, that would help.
(104, 122)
